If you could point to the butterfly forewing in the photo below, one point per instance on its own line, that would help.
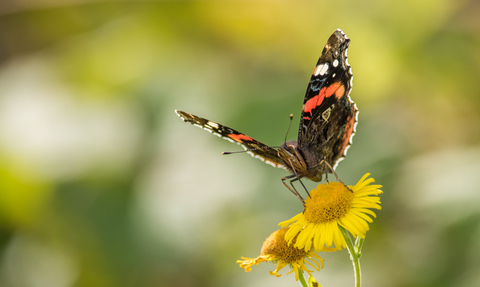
(329, 115)
(252, 146)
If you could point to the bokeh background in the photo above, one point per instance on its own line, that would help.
(101, 184)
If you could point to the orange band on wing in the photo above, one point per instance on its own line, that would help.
(348, 133)
(335, 88)
(239, 138)
(340, 91)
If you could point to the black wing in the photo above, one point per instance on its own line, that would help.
(329, 115)
(252, 146)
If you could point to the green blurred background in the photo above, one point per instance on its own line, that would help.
(101, 184)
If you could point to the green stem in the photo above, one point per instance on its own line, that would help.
(302, 279)
(358, 246)
(354, 254)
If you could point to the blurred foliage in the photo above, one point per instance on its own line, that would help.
(102, 185)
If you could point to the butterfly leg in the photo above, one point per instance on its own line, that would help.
(308, 193)
(334, 173)
(294, 191)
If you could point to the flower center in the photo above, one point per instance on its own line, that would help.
(276, 245)
(328, 202)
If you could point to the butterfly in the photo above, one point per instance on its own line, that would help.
(327, 122)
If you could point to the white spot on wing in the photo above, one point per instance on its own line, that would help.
(335, 63)
(213, 124)
(346, 58)
(321, 70)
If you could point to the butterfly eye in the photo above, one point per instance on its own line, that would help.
(291, 149)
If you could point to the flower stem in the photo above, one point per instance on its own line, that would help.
(354, 254)
(302, 279)
(358, 246)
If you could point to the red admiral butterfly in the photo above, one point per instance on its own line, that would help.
(327, 122)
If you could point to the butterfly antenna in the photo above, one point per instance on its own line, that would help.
(239, 151)
(289, 125)
(231, 152)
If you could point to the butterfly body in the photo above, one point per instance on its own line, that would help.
(327, 122)
(300, 161)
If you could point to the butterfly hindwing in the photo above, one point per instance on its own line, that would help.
(252, 146)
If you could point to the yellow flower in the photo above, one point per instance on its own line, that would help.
(329, 206)
(276, 249)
